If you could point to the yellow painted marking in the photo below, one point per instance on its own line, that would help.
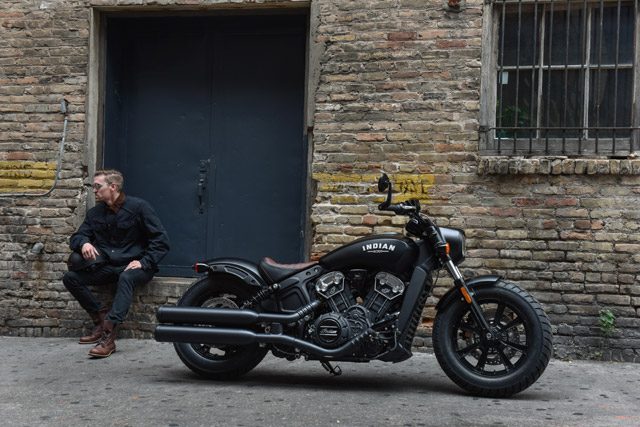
(406, 186)
(25, 176)
(21, 164)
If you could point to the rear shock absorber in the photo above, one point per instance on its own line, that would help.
(261, 295)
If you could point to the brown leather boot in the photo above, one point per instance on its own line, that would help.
(107, 344)
(96, 333)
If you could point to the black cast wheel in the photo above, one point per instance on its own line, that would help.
(508, 361)
(218, 362)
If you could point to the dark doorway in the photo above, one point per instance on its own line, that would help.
(204, 116)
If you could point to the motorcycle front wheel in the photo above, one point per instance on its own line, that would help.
(505, 364)
(218, 362)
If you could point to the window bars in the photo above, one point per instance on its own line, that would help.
(566, 78)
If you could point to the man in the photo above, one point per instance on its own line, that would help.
(128, 234)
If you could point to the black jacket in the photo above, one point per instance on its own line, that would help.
(133, 233)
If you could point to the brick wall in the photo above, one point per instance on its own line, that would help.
(43, 59)
(398, 90)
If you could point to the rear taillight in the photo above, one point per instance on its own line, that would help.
(199, 267)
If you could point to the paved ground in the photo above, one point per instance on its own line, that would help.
(51, 382)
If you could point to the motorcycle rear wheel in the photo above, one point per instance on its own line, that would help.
(218, 362)
(499, 367)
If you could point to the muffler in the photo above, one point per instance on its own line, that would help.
(227, 336)
(224, 316)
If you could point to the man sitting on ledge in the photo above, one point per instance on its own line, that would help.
(121, 240)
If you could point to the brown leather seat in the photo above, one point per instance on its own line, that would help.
(274, 272)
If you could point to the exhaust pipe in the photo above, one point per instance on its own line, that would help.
(223, 316)
(226, 336)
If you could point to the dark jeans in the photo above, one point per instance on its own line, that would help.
(77, 283)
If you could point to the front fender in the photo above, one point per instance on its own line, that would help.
(244, 270)
(475, 283)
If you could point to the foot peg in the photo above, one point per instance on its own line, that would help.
(333, 371)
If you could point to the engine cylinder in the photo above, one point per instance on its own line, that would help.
(333, 287)
(386, 289)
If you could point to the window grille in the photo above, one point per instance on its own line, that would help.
(564, 78)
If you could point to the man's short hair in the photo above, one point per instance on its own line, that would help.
(111, 176)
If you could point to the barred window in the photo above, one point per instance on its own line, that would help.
(563, 78)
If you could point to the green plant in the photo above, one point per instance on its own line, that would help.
(607, 322)
(507, 117)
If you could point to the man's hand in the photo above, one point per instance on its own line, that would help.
(89, 251)
(133, 265)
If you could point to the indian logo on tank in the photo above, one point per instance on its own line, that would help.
(378, 248)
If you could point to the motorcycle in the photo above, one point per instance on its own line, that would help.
(362, 302)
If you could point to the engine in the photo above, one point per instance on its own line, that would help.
(354, 305)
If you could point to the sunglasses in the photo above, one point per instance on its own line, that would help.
(99, 186)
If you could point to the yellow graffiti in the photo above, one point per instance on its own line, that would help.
(405, 186)
(25, 176)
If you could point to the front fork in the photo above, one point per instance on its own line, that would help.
(476, 311)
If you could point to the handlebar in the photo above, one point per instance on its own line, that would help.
(403, 208)
(419, 225)
(411, 206)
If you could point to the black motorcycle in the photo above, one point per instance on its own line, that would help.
(362, 302)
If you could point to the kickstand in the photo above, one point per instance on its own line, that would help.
(333, 371)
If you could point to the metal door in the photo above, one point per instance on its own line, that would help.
(204, 116)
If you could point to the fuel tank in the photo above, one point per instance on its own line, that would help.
(389, 252)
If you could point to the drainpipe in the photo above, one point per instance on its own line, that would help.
(38, 247)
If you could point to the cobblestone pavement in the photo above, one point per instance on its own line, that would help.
(51, 382)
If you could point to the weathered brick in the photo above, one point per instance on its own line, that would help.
(614, 299)
(628, 248)
(578, 298)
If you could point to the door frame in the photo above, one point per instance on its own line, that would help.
(96, 81)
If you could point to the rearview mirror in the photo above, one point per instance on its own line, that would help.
(383, 182)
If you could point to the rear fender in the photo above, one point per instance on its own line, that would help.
(243, 270)
(475, 283)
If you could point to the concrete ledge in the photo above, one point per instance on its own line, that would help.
(62, 316)
(146, 299)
